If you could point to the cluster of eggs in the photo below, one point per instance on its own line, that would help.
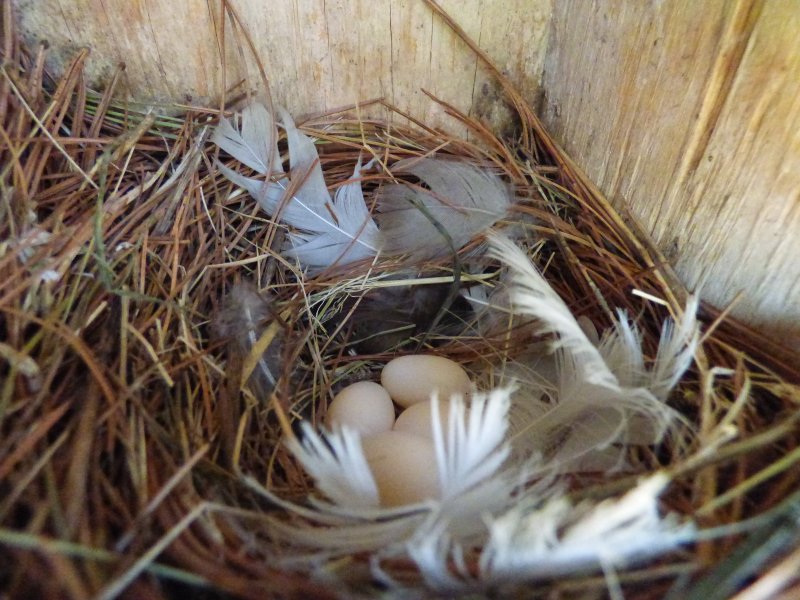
(400, 451)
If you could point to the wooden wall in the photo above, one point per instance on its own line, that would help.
(318, 54)
(687, 113)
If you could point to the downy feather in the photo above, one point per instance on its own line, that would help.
(556, 538)
(463, 201)
(470, 448)
(241, 321)
(676, 351)
(329, 232)
(338, 466)
(602, 398)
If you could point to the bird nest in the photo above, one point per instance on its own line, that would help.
(138, 454)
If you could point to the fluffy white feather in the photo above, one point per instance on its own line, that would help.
(471, 448)
(622, 351)
(532, 295)
(346, 538)
(338, 466)
(676, 351)
(556, 538)
(621, 348)
(604, 397)
(544, 536)
(432, 550)
(462, 202)
(329, 233)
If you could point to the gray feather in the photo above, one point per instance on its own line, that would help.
(463, 200)
(242, 320)
(253, 142)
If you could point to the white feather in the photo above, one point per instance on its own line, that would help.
(471, 448)
(463, 201)
(338, 466)
(304, 161)
(346, 538)
(438, 543)
(330, 233)
(676, 351)
(603, 396)
(432, 549)
(532, 295)
(621, 348)
(555, 538)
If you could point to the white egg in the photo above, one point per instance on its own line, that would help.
(364, 406)
(417, 419)
(404, 467)
(412, 379)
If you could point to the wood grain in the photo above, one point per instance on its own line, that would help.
(688, 114)
(318, 54)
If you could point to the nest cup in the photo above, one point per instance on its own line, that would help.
(129, 430)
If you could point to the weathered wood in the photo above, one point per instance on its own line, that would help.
(688, 114)
(318, 54)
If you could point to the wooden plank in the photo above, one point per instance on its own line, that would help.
(689, 114)
(318, 54)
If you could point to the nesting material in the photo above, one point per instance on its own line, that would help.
(139, 455)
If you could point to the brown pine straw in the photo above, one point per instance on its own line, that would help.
(120, 463)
